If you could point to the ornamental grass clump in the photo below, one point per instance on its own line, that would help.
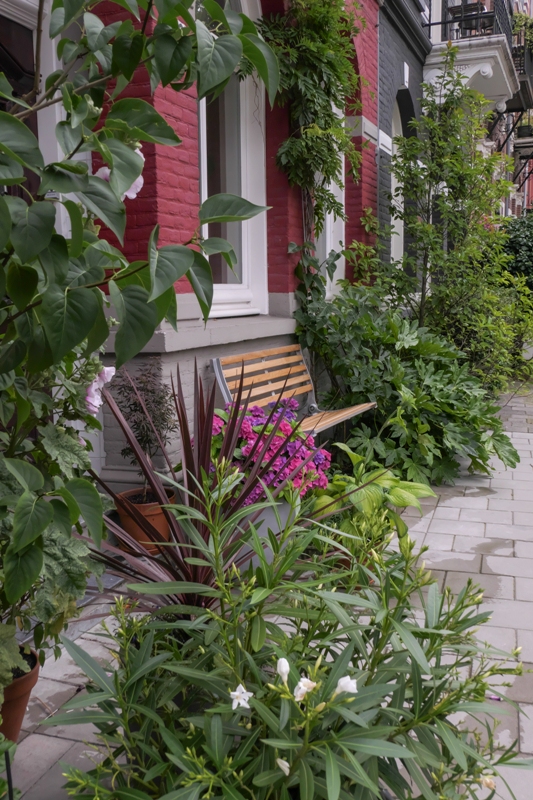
(292, 684)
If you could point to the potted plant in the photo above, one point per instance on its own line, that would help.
(291, 685)
(147, 404)
(43, 494)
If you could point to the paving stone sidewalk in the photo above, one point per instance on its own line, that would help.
(480, 528)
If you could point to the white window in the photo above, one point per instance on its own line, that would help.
(232, 160)
(397, 225)
(332, 238)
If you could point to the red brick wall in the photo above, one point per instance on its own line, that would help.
(171, 192)
(362, 194)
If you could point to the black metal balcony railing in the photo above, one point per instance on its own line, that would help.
(460, 19)
(522, 58)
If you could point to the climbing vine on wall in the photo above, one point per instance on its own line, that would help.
(318, 81)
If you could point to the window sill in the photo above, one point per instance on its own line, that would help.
(193, 334)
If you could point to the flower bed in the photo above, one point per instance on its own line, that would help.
(298, 460)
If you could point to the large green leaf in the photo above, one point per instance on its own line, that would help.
(32, 229)
(228, 208)
(264, 60)
(90, 505)
(142, 120)
(100, 198)
(137, 317)
(17, 141)
(67, 317)
(32, 516)
(11, 171)
(201, 280)
(167, 265)
(307, 781)
(65, 177)
(171, 56)
(127, 166)
(217, 58)
(21, 570)
(6, 91)
(54, 259)
(5, 223)
(127, 52)
(11, 355)
(21, 284)
(26, 474)
(100, 330)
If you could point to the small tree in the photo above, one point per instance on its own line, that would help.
(448, 197)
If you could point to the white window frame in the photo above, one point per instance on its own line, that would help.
(397, 247)
(251, 295)
(333, 238)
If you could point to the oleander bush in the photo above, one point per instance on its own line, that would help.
(295, 679)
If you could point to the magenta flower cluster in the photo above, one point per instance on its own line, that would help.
(290, 446)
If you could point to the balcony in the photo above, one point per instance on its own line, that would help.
(523, 62)
(482, 31)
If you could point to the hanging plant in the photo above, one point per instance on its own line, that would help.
(318, 81)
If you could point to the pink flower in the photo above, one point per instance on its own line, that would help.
(93, 394)
(218, 425)
(285, 428)
(105, 174)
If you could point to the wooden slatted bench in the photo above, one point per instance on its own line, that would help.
(274, 372)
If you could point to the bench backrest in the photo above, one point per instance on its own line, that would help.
(266, 374)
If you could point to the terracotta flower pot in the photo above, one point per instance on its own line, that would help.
(16, 698)
(152, 512)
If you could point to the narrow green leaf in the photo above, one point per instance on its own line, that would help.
(412, 645)
(452, 743)
(258, 633)
(333, 777)
(307, 781)
(90, 667)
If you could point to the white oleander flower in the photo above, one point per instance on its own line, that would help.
(284, 766)
(488, 783)
(240, 697)
(303, 686)
(283, 669)
(346, 684)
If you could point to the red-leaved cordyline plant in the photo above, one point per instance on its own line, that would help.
(192, 518)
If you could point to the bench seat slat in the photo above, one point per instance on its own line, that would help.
(327, 419)
(298, 385)
(258, 366)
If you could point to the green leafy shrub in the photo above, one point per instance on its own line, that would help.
(313, 42)
(519, 246)
(453, 277)
(293, 684)
(430, 409)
